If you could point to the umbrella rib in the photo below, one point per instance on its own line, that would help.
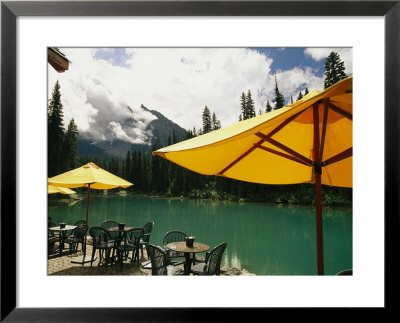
(285, 148)
(343, 155)
(284, 123)
(283, 155)
(240, 157)
(340, 111)
(324, 124)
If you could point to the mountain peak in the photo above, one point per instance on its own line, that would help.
(159, 128)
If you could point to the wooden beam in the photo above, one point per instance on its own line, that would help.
(343, 155)
(284, 148)
(284, 123)
(324, 124)
(239, 158)
(340, 111)
(272, 151)
(57, 59)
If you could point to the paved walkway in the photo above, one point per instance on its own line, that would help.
(61, 265)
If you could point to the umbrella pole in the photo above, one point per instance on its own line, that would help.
(318, 186)
(86, 223)
(82, 262)
(318, 210)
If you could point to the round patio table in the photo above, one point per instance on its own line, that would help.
(118, 241)
(181, 246)
(62, 232)
(120, 231)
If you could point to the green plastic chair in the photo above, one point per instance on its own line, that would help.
(80, 222)
(51, 224)
(130, 242)
(147, 229)
(212, 263)
(52, 239)
(175, 257)
(160, 264)
(346, 272)
(77, 237)
(110, 224)
(101, 241)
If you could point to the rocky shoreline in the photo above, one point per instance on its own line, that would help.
(62, 265)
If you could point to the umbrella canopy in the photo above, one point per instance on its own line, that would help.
(63, 190)
(309, 141)
(90, 176)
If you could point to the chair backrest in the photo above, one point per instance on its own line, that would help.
(110, 224)
(79, 231)
(147, 229)
(346, 272)
(99, 235)
(132, 236)
(51, 224)
(174, 236)
(159, 260)
(80, 222)
(213, 259)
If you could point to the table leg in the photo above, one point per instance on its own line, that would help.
(120, 256)
(61, 243)
(188, 263)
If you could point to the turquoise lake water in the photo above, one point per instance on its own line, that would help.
(263, 239)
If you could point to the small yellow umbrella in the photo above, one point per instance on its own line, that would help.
(309, 141)
(90, 176)
(63, 190)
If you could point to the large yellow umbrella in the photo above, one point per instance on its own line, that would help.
(90, 176)
(309, 141)
(63, 190)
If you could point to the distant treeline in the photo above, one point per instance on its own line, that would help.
(153, 175)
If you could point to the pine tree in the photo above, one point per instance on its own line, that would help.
(240, 117)
(300, 96)
(139, 177)
(128, 166)
(279, 98)
(306, 91)
(216, 124)
(69, 153)
(251, 112)
(291, 99)
(55, 131)
(268, 107)
(207, 126)
(174, 137)
(134, 166)
(243, 107)
(334, 70)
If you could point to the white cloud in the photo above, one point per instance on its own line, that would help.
(346, 55)
(178, 82)
(292, 81)
(96, 95)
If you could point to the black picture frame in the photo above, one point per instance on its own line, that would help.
(10, 10)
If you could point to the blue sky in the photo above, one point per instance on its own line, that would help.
(283, 58)
(288, 58)
(179, 82)
(117, 57)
